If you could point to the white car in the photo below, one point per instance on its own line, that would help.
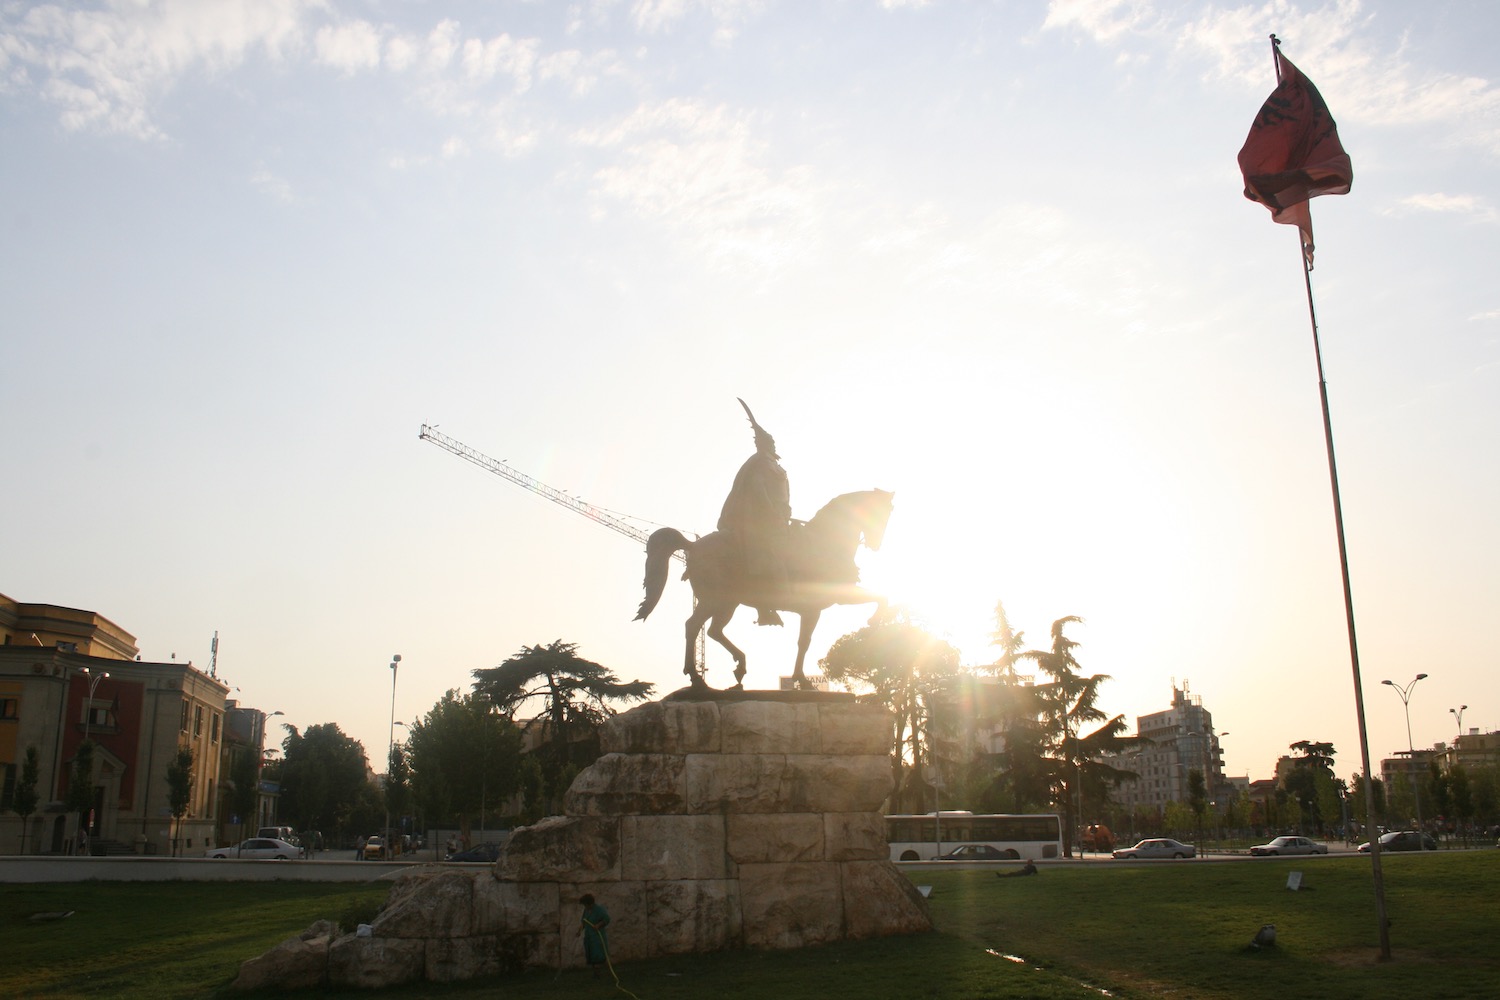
(259, 848)
(1289, 845)
(1158, 847)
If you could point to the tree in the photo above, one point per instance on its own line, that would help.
(1462, 796)
(324, 786)
(80, 798)
(244, 779)
(397, 783)
(25, 799)
(1020, 781)
(179, 789)
(572, 697)
(1311, 784)
(1069, 703)
(905, 667)
(465, 759)
(1197, 797)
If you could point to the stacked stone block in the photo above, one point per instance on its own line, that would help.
(748, 821)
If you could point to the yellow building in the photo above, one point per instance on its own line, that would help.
(68, 675)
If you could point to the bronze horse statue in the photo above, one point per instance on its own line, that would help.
(820, 572)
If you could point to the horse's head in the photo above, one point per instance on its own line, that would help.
(852, 517)
(874, 513)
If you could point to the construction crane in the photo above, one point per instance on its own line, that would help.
(563, 499)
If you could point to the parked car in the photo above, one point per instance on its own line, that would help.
(1157, 847)
(259, 848)
(978, 852)
(1289, 845)
(488, 851)
(1403, 840)
(375, 849)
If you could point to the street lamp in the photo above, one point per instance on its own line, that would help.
(1458, 714)
(88, 718)
(389, 753)
(93, 685)
(1411, 753)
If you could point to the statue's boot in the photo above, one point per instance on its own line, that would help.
(767, 616)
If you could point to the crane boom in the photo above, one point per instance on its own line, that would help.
(521, 479)
(557, 496)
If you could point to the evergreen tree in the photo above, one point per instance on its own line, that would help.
(571, 697)
(244, 779)
(179, 789)
(1069, 704)
(80, 798)
(25, 799)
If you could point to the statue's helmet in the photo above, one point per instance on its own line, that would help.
(765, 444)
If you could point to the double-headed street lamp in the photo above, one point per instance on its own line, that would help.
(88, 718)
(1458, 715)
(93, 685)
(1411, 753)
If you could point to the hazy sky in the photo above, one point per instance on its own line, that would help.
(991, 256)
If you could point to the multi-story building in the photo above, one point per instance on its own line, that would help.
(1174, 743)
(1470, 750)
(242, 756)
(67, 676)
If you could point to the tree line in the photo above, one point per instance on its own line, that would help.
(505, 750)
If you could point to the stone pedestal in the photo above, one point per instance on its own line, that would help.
(746, 820)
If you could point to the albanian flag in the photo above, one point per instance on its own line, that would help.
(1293, 152)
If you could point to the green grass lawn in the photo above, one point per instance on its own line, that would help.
(1178, 929)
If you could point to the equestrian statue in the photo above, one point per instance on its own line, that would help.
(762, 558)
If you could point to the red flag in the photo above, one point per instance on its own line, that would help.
(1293, 152)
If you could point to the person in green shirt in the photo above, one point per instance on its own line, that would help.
(595, 934)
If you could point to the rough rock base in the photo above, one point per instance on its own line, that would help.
(706, 825)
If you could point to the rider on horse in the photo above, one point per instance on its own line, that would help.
(756, 516)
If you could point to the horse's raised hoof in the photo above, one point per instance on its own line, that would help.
(766, 616)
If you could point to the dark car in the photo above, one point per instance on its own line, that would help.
(489, 851)
(1403, 840)
(978, 852)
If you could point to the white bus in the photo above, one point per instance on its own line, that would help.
(929, 835)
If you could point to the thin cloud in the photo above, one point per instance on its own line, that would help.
(274, 187)
(701, 171)
(656, 16)
(1364, 82)
(110, 69)
(352, 47)
(1476, 208)
(105, 69)
(1102, 20)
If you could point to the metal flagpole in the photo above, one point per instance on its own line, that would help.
(1338, 519)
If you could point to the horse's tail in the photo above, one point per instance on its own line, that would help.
(660, 547)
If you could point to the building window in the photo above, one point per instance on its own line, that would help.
(99, 716)
(8, 786)
(183, 727)
(10, 708)
(213, 729)
(198, 721)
